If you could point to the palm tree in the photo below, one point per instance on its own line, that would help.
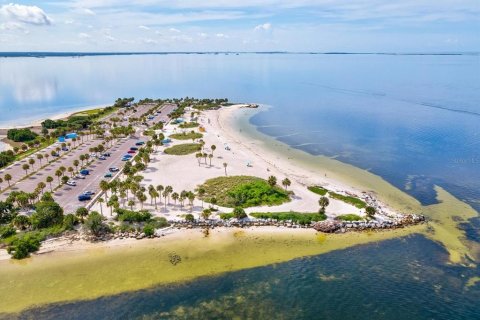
(104, 186)
(76, 163)
(58, 174)
(210, 156)
(191, 198)
(169, 190)
(201, 193)
(286, 183)
(26, 167)
(323, 202)
(41, 185)
(49, 181)
(81, 212)
(70, 170)
(8, 178)
(131, 203)
(100, 201)
(213, 147)
(175, 197)
(198, 156)
(40, 157)
(206, 213)
(272, 181)
(225, 167)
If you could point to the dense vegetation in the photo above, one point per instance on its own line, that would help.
(348, 199)
(298, 217)
(349, 217)
(243, 191)
(318, 190)
(183, 149)
(188, 125)
(21, 135)
(133, 216)
(186, 136)
(6, 157)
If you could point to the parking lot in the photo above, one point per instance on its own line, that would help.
(67, 196)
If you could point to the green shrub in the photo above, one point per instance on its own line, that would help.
(133, 216)
(69, 221)
(188, 125)
(360, 204)
(189, 217)
(22, 246)
(47, 214)
(298, 217)
(183, 149)
(21, 135)
(349, 217)
(7, 231)
(149, 230)
(243, 191)
(239, 213)
(159, 222)
(186, 136)
(226, 216)
(94, 223)
(318, 190)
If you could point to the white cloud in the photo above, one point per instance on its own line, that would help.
(144, 27)
(86, 11)
(263, 27)
(174, 30)
(221, 35)
(149, 41)
(83, 35)
(25, 14)
(69, 21)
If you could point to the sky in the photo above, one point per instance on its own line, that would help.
(241, 25)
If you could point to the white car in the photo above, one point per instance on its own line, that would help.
(80, 176)
(71, 183)
(93, 155)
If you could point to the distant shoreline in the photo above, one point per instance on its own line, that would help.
(37, 121)
(41, 54)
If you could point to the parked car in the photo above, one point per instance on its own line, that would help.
(88, 193)
(131, 151)
(127, 156)
(113, 169)
(134, 148)
(102, 158)
(64, 149)
(107, 175)
(79, 176)
(71, 183)
(55, 154)
(93, 155)
(107, 154)
(85, 172)
(84, 197)
(140, 143)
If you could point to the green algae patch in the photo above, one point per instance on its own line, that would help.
(106, 269)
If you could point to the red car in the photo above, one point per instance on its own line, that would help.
(131, 151)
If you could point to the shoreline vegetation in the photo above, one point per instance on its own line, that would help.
(241, 202)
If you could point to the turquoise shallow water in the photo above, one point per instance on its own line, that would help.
(413, 120)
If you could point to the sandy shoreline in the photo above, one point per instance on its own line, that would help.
(55, 116)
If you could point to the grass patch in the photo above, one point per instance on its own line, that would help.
(349, 217)
(183, 149)
(186, 136)
(298, 217)
(318, 190)
(360, 204)
(188, 125)
(243, 191)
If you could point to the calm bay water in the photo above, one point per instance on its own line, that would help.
(413, 120)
